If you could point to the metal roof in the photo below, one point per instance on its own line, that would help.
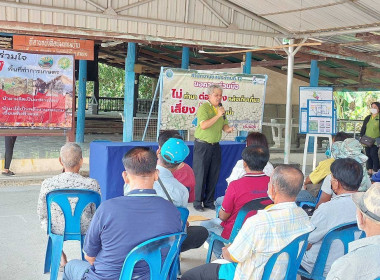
(349, 31)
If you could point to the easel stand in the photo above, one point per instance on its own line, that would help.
(315, 148)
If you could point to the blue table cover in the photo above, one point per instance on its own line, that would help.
(106, 163)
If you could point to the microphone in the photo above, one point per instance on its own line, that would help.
(220, 105)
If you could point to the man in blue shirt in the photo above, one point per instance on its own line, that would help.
(122, 223)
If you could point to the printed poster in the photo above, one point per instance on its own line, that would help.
(36, 90)
(183, 91)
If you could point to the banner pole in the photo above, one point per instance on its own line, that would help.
(151, 108)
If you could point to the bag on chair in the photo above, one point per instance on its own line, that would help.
(367, 141)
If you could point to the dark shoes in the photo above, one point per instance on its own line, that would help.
(8, 173)
(211, 207)
(199, 208)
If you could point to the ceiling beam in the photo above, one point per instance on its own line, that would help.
(212, 10)
(178, 54)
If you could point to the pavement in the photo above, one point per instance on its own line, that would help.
(22, 241)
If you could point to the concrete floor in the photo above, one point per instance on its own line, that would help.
(23, 242)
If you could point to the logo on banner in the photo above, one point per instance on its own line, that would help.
(1, 65)
(169, 73)
(46, 62)
(64, 63)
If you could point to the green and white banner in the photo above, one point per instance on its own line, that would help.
(183, 91)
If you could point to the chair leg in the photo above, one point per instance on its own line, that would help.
(48, 256)
(209, 252)
(57, 242)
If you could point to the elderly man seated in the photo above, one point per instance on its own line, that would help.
(362, 261)
(346, 176)
(268, 232)
(122, 223)
(71, 160)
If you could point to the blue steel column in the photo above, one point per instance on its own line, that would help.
(185, 58)
(314, 78)
(129, 90)
(248, 63)
(81, 113)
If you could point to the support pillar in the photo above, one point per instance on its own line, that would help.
(248, 63)
(314, 79)
(185, 58)
(81, 113)
(129, 90)
(288, 124)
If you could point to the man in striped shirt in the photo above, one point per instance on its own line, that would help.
(264, 234)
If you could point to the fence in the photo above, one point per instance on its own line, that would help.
(116, 104)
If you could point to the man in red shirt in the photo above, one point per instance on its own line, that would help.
(253, 185)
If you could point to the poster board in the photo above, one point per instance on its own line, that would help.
(183, 91)
(320, 117)
(36, 90)
(310, 93)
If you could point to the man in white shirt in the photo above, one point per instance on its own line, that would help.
(346, 176)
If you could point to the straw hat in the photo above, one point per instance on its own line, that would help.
(369, 202)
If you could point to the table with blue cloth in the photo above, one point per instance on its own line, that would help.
(106, 164)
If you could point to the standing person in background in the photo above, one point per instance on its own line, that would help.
(207, 153)
(371, 128)
(9, 145)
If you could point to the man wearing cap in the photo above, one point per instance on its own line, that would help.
(207, 154)
(362, 260)
(346, 176)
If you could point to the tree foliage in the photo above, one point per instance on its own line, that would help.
(354, 105)
(111, 83)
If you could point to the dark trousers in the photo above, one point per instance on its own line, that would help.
(206, 166)
(196, 236)
(373, 157)
(9, 144)
(209, 271)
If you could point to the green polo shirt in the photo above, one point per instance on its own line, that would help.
(372, 129)
(212, 134)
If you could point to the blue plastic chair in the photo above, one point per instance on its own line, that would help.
(295, 256)
(150, 252)
(345, 233)
(72, 223)
(256, 204)
(176, 268)
(312, 202)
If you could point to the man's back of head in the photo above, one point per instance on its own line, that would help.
(71, 155)
(348, 172)
(286, 182)
(166, 135)
(140, 161)
(255, 157)
(341, 136)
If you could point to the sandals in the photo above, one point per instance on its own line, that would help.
(8, 173)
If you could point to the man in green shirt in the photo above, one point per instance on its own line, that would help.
(207, 154)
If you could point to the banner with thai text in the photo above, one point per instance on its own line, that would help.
(36, 90)
(183, 91)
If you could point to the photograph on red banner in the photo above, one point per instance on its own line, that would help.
(36, 90)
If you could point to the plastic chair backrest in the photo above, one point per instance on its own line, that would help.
(345, 233)
(72, 217)
(255, 204)
(295, 251)
(150, 251)
(184, 215)
(312, 203)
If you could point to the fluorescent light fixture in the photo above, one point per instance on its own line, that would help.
(297, 66)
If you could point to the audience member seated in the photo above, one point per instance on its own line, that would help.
(314, 180)
(362, 260)
(349, 148)
(254, 184)
(346, 176)
(122, 223)
(71, 160)
(183, 173)
(172, 153)
(264, 234)
(253, 138)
